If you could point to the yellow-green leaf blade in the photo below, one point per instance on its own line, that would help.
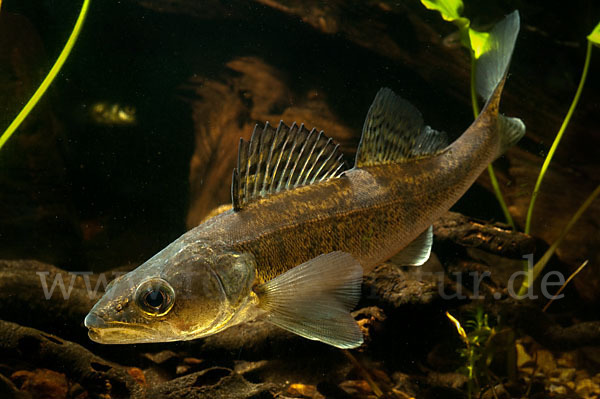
(479, 42)
(594, 37)
(450, 10)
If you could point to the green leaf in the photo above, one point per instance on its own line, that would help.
(450, 10)
(593, 37)
(479, 42)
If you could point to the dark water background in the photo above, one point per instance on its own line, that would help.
(133, 180)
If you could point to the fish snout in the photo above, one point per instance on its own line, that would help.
(94, 321)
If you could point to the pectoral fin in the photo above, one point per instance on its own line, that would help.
(417, 252)
(314, 299)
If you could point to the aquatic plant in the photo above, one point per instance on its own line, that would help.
(592, 39)
(483, 342)
(49, 78)
(477, 43)
(562, 287)
(541, 264)
(476, 352)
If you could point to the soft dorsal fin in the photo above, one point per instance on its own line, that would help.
(280, 159)
(394, 131)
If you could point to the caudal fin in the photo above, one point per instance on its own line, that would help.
(492, 64)
(491, 70)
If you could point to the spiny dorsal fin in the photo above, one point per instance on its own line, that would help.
(280, 159)
(394, 131)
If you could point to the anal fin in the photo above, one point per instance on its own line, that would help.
(314, 299)
(417, 252)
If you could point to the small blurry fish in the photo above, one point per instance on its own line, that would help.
(303, 228)
(112, 114)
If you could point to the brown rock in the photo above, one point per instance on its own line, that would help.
(137, 375)
(545, 361)
(587, 388)
(356, 387)
(42, 383)
(523, 358)
(306, 391)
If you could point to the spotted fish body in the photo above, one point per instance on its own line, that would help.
(371, 212)
(303, 229)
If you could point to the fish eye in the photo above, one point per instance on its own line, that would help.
(155, 297)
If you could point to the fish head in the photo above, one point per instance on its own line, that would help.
(186, 291)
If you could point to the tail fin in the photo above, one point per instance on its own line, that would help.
(492, 65)
(491, 70)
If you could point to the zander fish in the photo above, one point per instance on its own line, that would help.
(303, 229)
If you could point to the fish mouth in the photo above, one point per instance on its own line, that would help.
(93, 321)
(115, 332)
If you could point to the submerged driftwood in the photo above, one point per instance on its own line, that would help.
(98, 377)
(41, 350)
(254, 359)
(25, 285)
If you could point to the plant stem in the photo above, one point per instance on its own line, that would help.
(49, 78)
(490, 168)
(539, 266)
(500, 198)
(374, 387)
(558, 137)
(562, 287)
(474, 103)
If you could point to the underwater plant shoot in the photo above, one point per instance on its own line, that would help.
(311, 199)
